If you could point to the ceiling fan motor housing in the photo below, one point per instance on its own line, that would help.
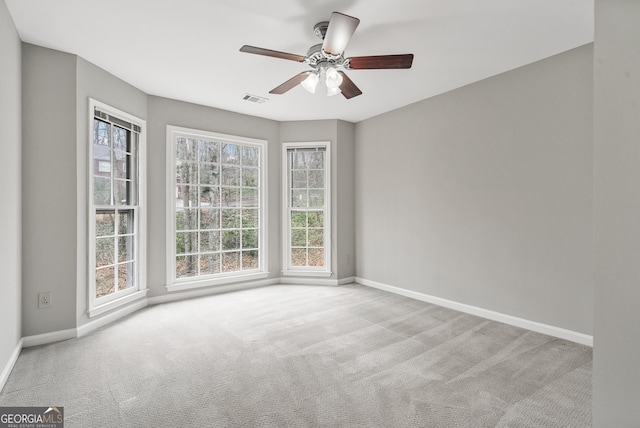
(320, 29)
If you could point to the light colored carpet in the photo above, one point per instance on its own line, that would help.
(301, 356)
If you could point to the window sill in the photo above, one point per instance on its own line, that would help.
(187, 285)
(116, 303)
(324, 274)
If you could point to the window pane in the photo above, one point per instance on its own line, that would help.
(186, 242)
(231, 261)
(316, 237)
(209, 196)
(250, 156)
(249, 217)
(125, 248)
(185, 149)
(230, 175)
(315, 160)
(122, 160)
(101, 191)
(299, 160)
(105, 251)
(316, 257)
(209, 264)
(208, 151)
(209, 218)
(105, 281)
(299, 198)
(250, 177)
(230, 218)
(209, 241)
(187, 219)
(101, 133)
(125, 222)
(187, 172)
(316, 219)
(101, 160)
(316, 179)
(125, 276)
(209, 173)
(299, 180)
(105, 224)
(250, 238)
(231, 154)
(299, 237)
(230, 197)
(120, 196)
(316, 198)
(249, 197)
(299, 218)
(250, 260)
(230, 239)
(298, 257)
(120, 138)
(186, 266)
(187, 196)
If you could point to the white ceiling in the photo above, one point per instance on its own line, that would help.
(189, 50)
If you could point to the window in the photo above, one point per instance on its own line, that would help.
(216, 206)
(307, 229)
(116, 270)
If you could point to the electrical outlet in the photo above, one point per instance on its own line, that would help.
(44, 300)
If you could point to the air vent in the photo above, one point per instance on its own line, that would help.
(254, 98)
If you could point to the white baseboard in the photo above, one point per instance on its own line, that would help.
(348, 280)
(550, 330)
(299, 280)
(45, 338)
(9, 366)
(111, 317)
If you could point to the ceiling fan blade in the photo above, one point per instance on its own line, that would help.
(272, 53)
(348, 88)
(291, 83)
(380, 62)
(341, 28)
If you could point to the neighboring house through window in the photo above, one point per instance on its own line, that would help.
(116, 208)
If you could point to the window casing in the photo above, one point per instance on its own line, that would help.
(116, 208)
(307, 214)
(216, 206)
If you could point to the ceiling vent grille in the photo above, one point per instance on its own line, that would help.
(254, 98)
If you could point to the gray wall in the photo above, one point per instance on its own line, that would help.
(10, 186)
(616, 376)
(49, 193)
(484, 195)
(56, 91)
(163, 112)
(342, 137)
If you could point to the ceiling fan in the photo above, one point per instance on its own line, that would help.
(327, 57)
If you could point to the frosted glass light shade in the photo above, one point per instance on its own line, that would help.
(334, 79)
(311, 82)
(333, 91)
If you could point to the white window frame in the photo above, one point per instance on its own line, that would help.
(287, 269)
(97, 306)
(179, 284)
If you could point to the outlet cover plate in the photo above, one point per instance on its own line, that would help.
(44, 300)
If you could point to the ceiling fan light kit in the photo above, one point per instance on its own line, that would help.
(326, 58)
